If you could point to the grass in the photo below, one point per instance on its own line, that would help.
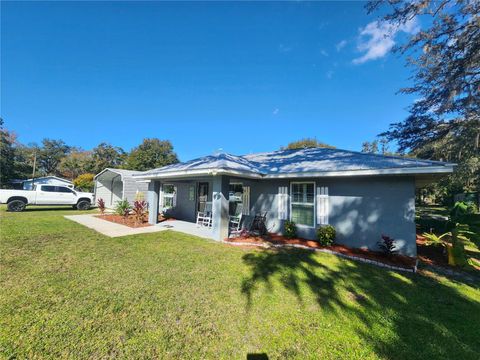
(68, 292)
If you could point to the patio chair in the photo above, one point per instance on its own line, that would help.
(234, 221)
(258, 225)
(204, 218)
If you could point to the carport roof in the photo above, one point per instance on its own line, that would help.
(122, 172)
(300, 163)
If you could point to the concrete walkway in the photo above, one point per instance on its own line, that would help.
(112, 229)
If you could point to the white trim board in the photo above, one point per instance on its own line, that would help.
(340, 173)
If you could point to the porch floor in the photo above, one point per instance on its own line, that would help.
(112, 229)
(186, 227)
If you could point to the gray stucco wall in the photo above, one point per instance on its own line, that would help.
(186, 208)
(360, 208)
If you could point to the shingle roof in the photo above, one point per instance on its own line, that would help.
(220, 161)
(324, 159)
(298, 161)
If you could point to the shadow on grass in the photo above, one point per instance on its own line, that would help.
(428, 318)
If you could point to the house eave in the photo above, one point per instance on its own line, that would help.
(343, 173)
(366, 172)
(202, 172)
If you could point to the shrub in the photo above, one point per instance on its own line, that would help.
(290, 229)
(101, 205)
(436, 240)
(84, 182)
(326, 235)
(461, 210)
(387, 245)
(123, 208)
(140, 210)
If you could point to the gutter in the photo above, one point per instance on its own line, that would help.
(367, 172)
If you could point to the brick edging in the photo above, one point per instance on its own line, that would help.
(351, 257)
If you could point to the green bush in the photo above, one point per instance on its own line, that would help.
(123, 208)
(326, 235)
(290, 229)
(85, 182)
(462, 209)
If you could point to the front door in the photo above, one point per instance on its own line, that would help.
(202, 195)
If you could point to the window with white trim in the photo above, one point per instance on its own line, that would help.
(168, 195)
(303, 203)
(235, 198)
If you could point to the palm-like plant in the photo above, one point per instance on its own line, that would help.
(101, 206)
(452, 242)
(140, 210)
(436, 240)
(123, 208)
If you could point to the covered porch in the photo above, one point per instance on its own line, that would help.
(184, 198)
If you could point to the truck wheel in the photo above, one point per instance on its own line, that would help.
(16, 205)
(83, 205)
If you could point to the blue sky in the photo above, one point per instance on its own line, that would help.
(244, 77)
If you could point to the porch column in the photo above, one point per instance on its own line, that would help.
(153, 193)
(220, 207)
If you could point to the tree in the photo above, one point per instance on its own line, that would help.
(75, 164)
(378, 146)
(23, 163)
(50, 154)
(444, 123)
(307, 143)
(84, 182)
(106, 155)
(151, 153)
(7, 155)
(370, 147)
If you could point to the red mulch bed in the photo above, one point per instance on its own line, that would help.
(397, 260)
(130, 221)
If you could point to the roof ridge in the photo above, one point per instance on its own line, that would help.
(352, 152)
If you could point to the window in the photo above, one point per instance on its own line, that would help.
(168, 196)
(63, 189)
(202, 196)
(235, 198)
(48, 188)
(191, 193)
(303, 203)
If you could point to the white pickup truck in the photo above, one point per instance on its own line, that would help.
(17, 200)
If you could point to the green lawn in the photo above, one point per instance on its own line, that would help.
(68, 292)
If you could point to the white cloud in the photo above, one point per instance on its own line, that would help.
(323, 52)
(378, 38)
(275, 111)
(329, 74)
(341, 45)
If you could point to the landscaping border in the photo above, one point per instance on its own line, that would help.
(351, 257)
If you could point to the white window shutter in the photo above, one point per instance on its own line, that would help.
(282, 202)
(322, 205)
(246, 200)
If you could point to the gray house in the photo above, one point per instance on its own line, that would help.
(362, 195)
(113, 185)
